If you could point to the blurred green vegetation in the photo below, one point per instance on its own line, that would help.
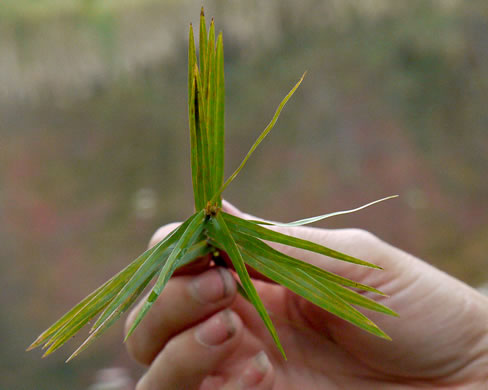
(94, 140)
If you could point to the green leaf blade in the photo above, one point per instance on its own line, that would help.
(89, 307)
(192, 231)
(157, 258)
(252, 229)
(354, 298)
(210, 99)
(113, 318)
(219, 129)
(195, 147)
(202, 137)
(265, 132)
(260, 248)
(67, 317)
(192, 60)
(223, 236)
(334, 282)
(307, 287)
(203, 45)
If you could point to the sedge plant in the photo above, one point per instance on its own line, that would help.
(210, 230)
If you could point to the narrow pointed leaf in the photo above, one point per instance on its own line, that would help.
(196, 153)
(260, 138)
(90, 306)
(90, 310)
(203, 44)
(112, 319)
(354, 298)
(221, 233)
(44, 336)
(334, 282)
(157, 258)
(202, 136)
(190, 233)
(192, 60)
(307, 287)
(209, 61)
(252, 229)
(260, 248)
(96, 305)
(210, 106)
(219, 132)
(307, 221)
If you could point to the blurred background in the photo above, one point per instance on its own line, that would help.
(94, 144)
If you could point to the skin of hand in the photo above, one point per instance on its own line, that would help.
(201, 335)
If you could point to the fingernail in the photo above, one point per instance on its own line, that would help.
(255, 372)
(212, 286)
(217, 329)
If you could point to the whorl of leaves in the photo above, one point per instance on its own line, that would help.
(211, 229)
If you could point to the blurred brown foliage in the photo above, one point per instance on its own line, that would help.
(94, 141)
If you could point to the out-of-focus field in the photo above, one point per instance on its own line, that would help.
(94, 146)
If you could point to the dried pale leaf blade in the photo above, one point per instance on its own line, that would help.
(261, 137)
(260, 248)
(302, 284)
(252, 229)
(307, 221)
(219, 130)
(220, 232)
(189, 236)
(112, 319)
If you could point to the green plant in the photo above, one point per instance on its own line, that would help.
(210, 230)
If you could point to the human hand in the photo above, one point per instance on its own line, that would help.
(200, 335)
